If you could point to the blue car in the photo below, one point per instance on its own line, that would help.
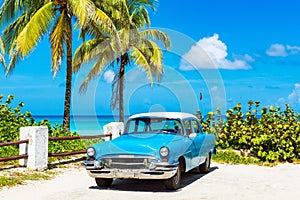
(155, 145)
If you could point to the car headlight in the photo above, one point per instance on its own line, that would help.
(164, 151)
(91, 151)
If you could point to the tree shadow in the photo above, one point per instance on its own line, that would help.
(8, 167)
(150, 185)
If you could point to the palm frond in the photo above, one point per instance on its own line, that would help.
(88, 51)
(34, 29)
(157, 35)
(153, 53)
(9, 11)
(140, 60)
(140, 17)
(57, 40)
(11, 32)
(132, 4)
(2, 49)
(2, 45)
(82, 9)
(105, 59)
(15, 57)
(103, 21)
(2, 60)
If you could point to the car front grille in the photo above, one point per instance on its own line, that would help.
(126, 162)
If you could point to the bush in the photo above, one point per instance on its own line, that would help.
(12, 119)
(274, 136)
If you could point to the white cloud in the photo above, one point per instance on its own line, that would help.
(293, 49)
(245, 57)
(280, 50)
(109, 76)
(277, 50)
(294, 97)
(211, 53)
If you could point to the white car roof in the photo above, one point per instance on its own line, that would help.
(171, 115)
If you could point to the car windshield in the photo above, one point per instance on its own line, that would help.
(153, 125)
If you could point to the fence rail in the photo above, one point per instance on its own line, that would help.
(3, 159)
(78, 137)
(74, 138)
(13, 157)
(13, 143)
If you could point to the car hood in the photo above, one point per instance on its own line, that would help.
(136, 144)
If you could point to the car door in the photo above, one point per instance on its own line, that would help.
(199, 141)
(191, 152)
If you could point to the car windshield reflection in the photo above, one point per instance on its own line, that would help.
(153, 126)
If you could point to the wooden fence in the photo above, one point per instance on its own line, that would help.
(51, 139)
(14, 157)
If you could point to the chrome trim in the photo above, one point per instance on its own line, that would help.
(131, 174)
(163, 170)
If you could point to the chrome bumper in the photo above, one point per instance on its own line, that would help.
(162, 171)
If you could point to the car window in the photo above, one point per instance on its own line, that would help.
(154, 125)
(187, 126)
(136, 126)
(195, 126)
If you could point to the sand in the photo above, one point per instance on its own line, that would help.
(222, 182)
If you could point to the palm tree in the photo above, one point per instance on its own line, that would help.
(30, 20)
(2, 50)
(137, 46)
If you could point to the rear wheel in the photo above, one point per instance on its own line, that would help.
(174, 182)
(204, 167)
(104, 182)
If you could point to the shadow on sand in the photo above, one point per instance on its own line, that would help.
(152, 185)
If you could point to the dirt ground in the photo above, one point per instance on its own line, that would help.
(222, 182)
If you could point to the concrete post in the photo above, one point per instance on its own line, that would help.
(115, 128)
(37, 148)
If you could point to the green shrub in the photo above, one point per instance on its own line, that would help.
(12, 119)
(275, 136)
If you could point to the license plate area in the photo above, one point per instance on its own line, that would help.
(124, 174)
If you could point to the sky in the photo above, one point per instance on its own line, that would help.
(229, 51)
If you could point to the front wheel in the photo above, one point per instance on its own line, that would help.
(104, 182)
(204, 167)
(174, 182)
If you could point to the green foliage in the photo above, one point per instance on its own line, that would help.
(12, 119)
(232, 158)
(274, 136)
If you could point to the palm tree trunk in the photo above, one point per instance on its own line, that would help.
(121, 87)
(67, 105)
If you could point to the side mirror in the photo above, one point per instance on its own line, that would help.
(192, 135)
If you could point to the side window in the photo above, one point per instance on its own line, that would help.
(136, 126)
(187, 126)
(141, 126)
(131, 126)
(195, 126)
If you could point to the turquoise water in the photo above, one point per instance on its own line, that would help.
(83, 125)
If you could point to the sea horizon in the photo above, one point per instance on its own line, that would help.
(82, 124)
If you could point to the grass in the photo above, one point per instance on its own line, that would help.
(10, 178)
(230, 157)
(11, 174)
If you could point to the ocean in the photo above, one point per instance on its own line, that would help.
(83, 125)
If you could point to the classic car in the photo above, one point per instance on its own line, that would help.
(155, 145)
